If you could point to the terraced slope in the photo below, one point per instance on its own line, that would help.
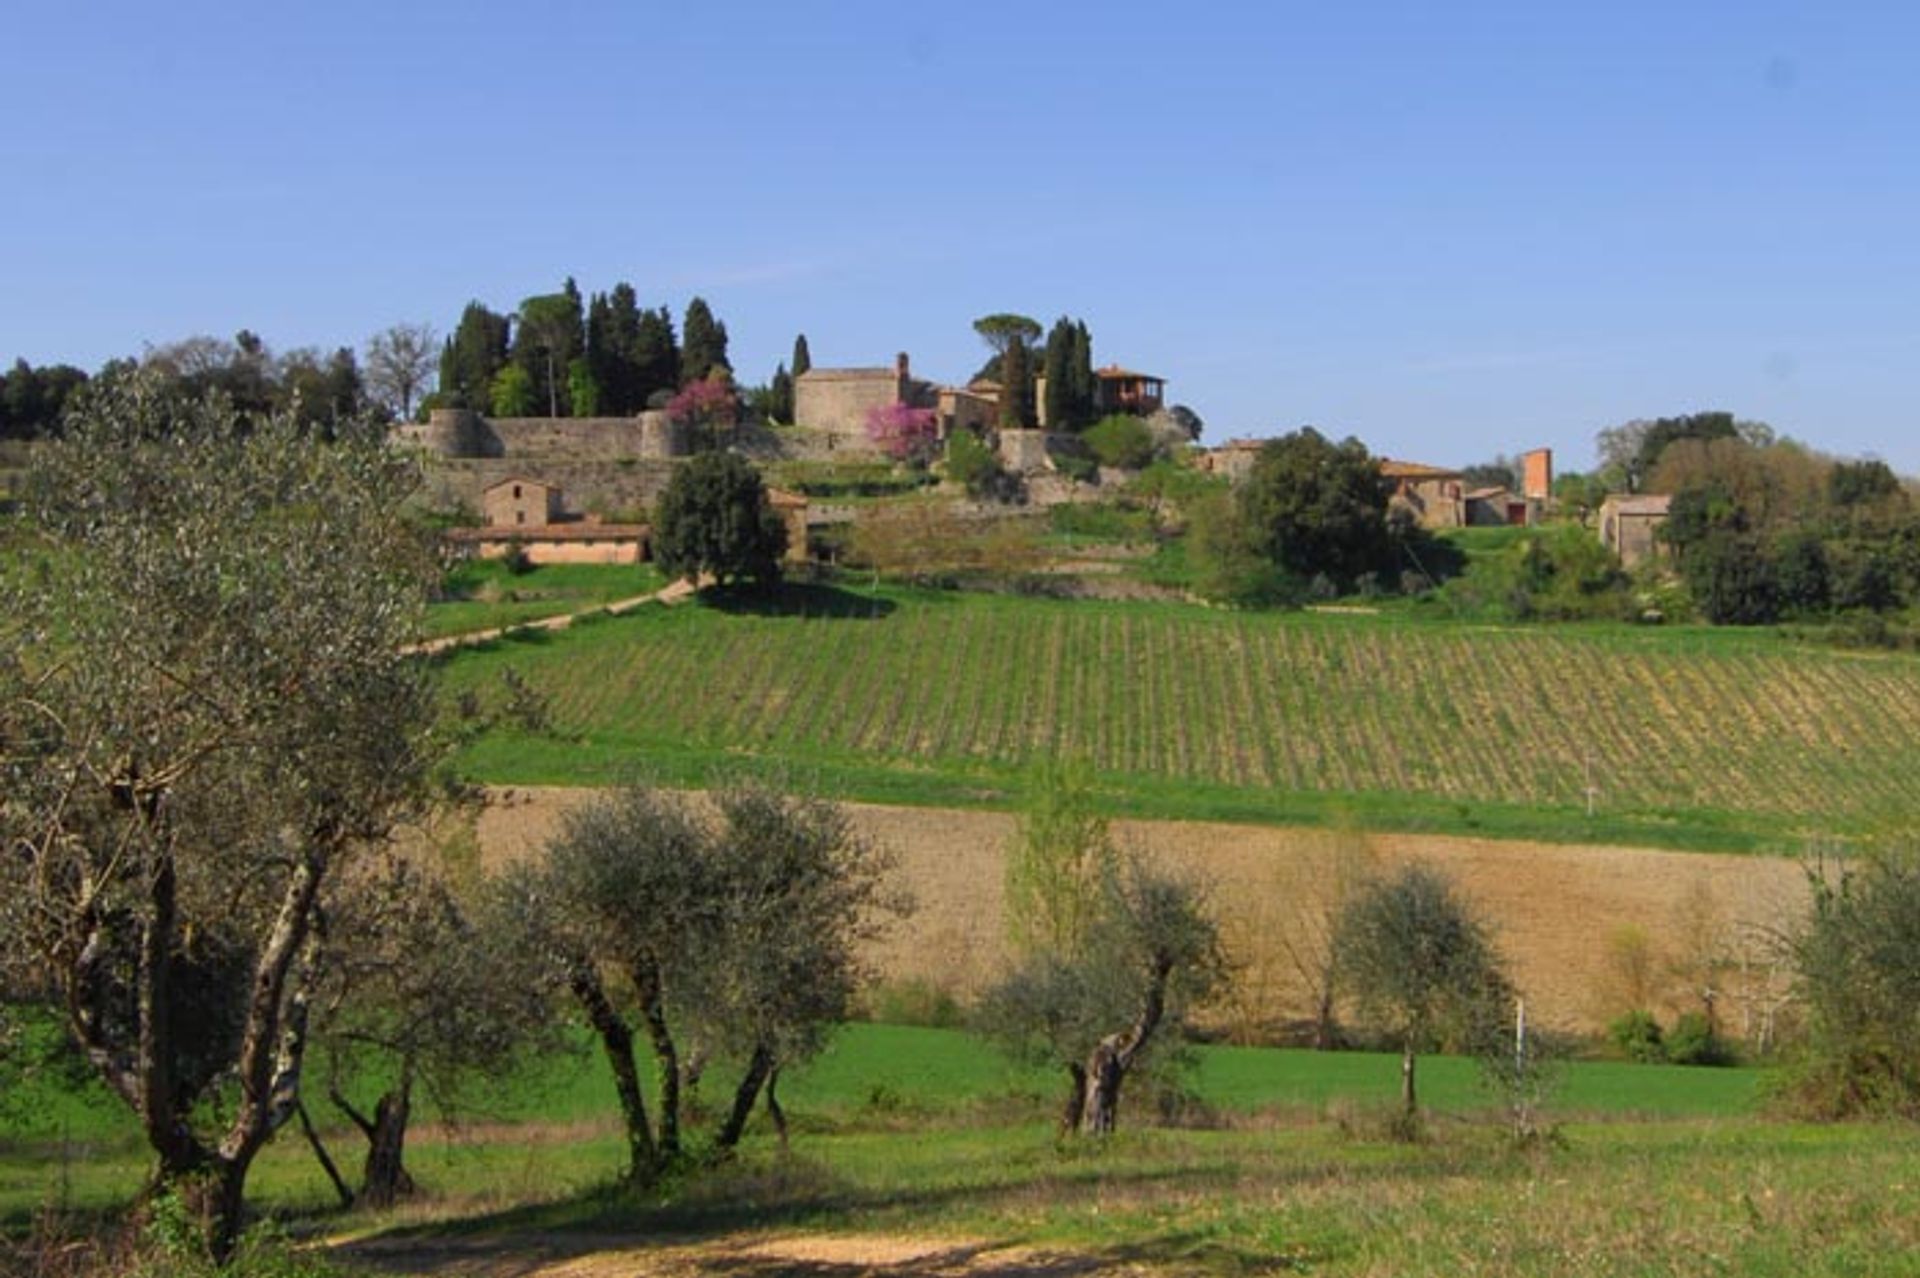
(1692, 738)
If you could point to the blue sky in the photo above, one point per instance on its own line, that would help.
(1452, 230)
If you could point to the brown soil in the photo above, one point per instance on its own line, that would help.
(1561, 913)
(822, 1256)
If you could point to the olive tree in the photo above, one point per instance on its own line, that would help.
(417, 991)
(734, 934)
(1414, 955)
(1115, 954)
(1857, 976)
(205, 714)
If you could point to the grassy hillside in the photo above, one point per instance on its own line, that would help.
(1685, 737)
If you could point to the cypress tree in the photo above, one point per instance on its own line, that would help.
(1081, 371)
(1016, 387)
(472, 357)
(1058, 371)
(656, 356)
(613, 342)
(704, 343)
(780, 401)
(802, 357)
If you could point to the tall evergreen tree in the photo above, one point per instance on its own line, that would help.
(780, 395)
(656, 355)
(802, 357)
(472, 357)
(703, 344)
(1081, 368)
(1058, 372)
(613, 341)
(1016, 386)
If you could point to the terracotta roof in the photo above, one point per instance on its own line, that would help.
(579, 531)
(1644, 504)
(1115, 373)
(781, 499)
(1414, 470)
(1488, 494)
(1242, 446)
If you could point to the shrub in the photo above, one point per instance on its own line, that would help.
(1121, 441)
(1692, 1041)
(903, 432)
(1638, 1036)
(914, 1001)
(970, 462)
(1857, 973)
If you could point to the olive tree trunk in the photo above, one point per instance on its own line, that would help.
(616, 1040)
(1107, 1065)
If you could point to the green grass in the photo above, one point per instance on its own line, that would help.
(1691, 737)
(925, 1133)
(887, 1074)
(907, 1134)
(486, 594)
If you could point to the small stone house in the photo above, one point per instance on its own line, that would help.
(517, 502)
(1233, 459)
(1497, 508)
(1434, 495)
(527, 517)
(1630, 525)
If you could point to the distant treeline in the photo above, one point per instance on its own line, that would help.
(556, 354)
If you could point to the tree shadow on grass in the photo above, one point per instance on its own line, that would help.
(797, 599)
(787, 1216)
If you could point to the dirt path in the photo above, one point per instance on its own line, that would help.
(670, 594)
(746, 1256)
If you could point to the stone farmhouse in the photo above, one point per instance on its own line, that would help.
(527, 517)
(1630, 524)
(1438, 497)
(1435, 495)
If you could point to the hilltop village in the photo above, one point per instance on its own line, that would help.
(1769, 529)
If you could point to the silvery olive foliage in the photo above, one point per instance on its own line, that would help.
(205, 715)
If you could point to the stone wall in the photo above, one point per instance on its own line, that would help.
(587, 487)
(613, 550)
(1024, 451)
(460, 433)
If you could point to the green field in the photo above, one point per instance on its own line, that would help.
(487, 595)
(904, 1134)
(1686, 737)
(873, 1075)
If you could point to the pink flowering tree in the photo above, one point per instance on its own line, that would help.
(706, 408)
(902, 432)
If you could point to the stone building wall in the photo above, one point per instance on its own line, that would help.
(837, 400)
(461, 433)
(588, 487)
(521, 502)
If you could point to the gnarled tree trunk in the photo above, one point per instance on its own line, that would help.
(384, 1178)
(666, 1055)
(1113, 1056)
(1076, 1105)
(759, 1068)
(616, 1040)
